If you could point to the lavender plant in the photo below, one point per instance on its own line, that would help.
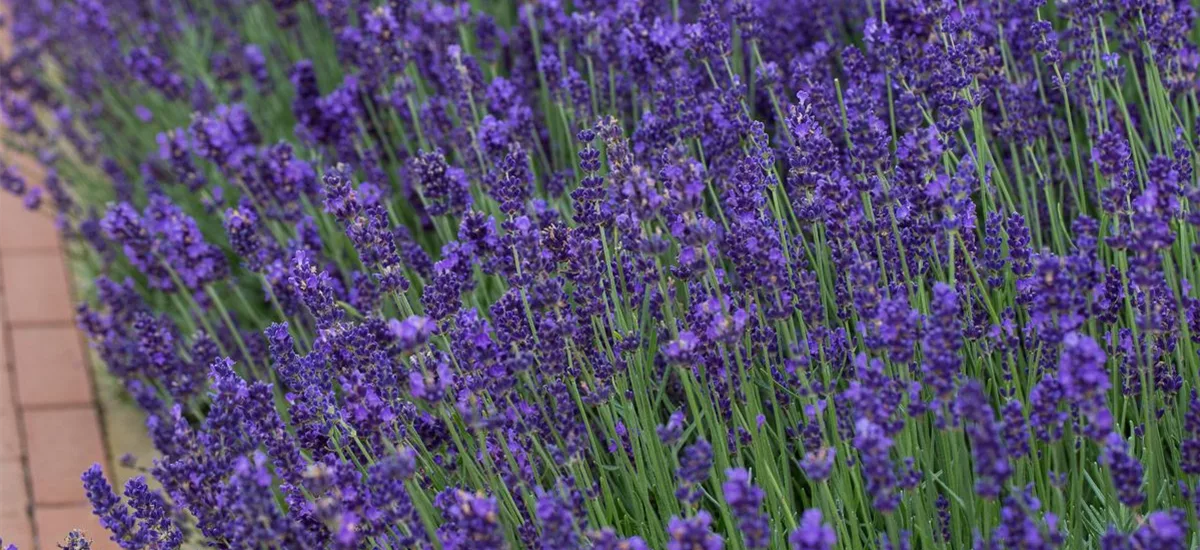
(625, 275)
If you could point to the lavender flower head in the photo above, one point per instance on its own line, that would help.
(471, 521)
(693, 533)
(813, 533)
(745, 500)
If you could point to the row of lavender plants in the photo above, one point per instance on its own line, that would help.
(746, 274)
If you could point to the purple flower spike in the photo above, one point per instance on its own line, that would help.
(693, 533)
(412, 332)
(745, 500)
(813, 534)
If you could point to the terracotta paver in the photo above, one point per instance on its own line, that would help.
(17, 530)
(49, 367)
(21, 230)
(62, 443)
(12, 484)
(10, 435)
(37, 288)
(7, 394)
(5, 358)
(54, 522)
(50, 429)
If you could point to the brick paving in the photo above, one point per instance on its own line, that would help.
(50, 428)
(49, 417)
(60, 411)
